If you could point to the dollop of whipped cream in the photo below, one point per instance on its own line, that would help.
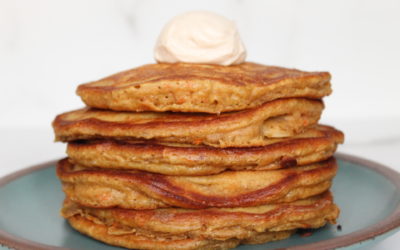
(200, 37)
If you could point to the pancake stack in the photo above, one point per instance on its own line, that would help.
(194, 156)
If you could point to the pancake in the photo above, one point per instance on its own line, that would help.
(132, 241)
(185, 87)
(253, 127)
(142, 190)
(160, 226)
(316, 144)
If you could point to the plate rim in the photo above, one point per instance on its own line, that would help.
(382, 227)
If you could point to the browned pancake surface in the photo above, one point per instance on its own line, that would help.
(253, 127)
(143, 190)
(314, 145)
(186, 87)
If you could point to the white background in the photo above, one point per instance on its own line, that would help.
(49, 47)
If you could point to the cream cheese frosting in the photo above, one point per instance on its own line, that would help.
(200, 37)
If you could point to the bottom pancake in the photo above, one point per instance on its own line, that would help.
(132, 241)
(213, 228)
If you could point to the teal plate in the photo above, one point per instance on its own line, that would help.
(367, 193)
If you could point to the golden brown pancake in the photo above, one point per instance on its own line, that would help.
(316, 144)
(253, 127)
(126, 227)
(142, 190)
(133, 241)
(185, 87)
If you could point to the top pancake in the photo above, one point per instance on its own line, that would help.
(185, 87)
